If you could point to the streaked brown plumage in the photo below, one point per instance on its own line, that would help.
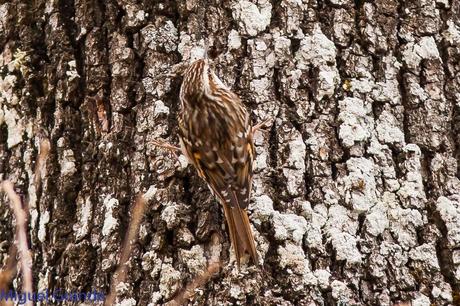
(216, 136)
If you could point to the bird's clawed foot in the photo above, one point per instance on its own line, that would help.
(165, 145)
(263, 126)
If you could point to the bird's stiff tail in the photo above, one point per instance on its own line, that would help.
(240, 233)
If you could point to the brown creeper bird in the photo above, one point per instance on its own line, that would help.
(216, 136)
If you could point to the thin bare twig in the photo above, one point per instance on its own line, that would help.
(133, 230)
(262, 125)
(199, 281)
(21, 224)
(21, 214)
(215, 263)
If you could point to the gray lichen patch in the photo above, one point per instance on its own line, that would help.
(293, 159)
(289, 227)
(252, 18)
(360, 184)
(169, 280)
(15, 126)
(411, 192)
(194, 259)
(449, 211)
(318, 51)
(356, 122)
(161, 35)
(388, 129)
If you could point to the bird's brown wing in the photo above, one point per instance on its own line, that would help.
(225, 161)
(227, 168)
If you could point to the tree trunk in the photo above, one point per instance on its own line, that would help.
(356, 192)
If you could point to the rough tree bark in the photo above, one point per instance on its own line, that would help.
(356, 190)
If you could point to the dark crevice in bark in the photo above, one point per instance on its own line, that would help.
(334, 171)
(361, 220)
(308, 176)
(120, 14)
(102, 30)
(340, 93)
(272, 253)
(174, 105)
(328, 299)
(358, 7)
(378, 70)
(273, 145)
(67, 12)
(397, 158)
(67, 9)
(5, 152)
(132, 121)
(401, 75)
(324, 14)
(405, 103)
(240, 65)
(312, 81)
(277, 14)
(377, 109)
(295, 45)
(187, 185)
(73, 130)
(427, 176)
(100, 13)
(291, 113)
